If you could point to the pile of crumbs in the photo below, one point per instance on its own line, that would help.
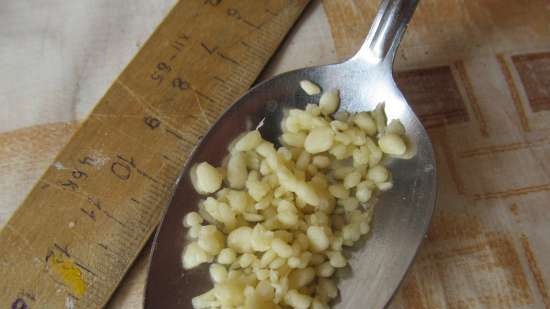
(275, 221)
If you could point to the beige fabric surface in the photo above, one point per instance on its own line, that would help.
(476, 72)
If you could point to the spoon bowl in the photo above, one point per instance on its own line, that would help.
(401, 216)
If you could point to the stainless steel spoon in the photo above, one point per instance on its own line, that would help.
(401, 216)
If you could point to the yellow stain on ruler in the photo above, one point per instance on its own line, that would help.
(65, 270)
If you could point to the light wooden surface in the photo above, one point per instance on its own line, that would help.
(477, 73)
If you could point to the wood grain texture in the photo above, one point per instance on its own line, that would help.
(85, 221)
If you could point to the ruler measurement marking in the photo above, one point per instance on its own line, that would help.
(141, 211)
(142, 206)
(58, 186)
(209, 50)
(167, 178)
(177, 135)
(196, 129)
(138, 215)
(169, 172)
(77, 261)
(227, 58)
(159, 115)
(162, 188)
(144, 219)
(108, 268)
(235, 13)
(136, 201)
(252, 24)
(254, 50)
(246, 45)
(151, 122)
(86, 269)
(119, 244)
(171, 161)
(84, 195)
(114, 250)
(204, 96)
(271, 12)
(147, 199)
(179, 44)
(63, 250)
(144, 174)
(153, 197)
(154, 150)
(221, 80)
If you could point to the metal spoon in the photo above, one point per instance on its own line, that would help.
(402, 214)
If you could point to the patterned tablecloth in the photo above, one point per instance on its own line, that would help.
(476, 72)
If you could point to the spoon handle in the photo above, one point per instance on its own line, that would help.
(387, 30)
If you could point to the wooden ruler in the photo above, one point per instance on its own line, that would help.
(87, 218)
